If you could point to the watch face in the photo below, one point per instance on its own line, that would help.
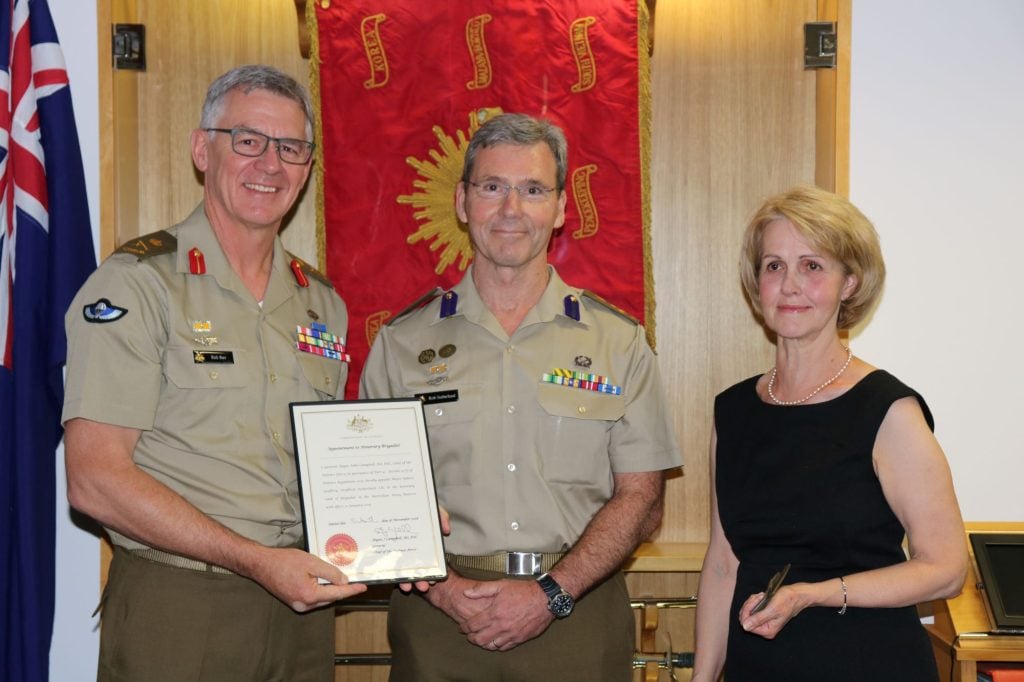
(561, 605)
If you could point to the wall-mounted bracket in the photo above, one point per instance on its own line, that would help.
(128, 45)
(820, 45)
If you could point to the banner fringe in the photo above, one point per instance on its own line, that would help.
(644, 61)
(318, 131)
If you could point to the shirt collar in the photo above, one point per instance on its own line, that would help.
(550, 306)
(196, 232)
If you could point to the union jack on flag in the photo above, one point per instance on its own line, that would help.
(46, 253)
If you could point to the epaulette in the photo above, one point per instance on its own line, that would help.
(416, 305)
(610, 306)
(308, 270)
(149, 245)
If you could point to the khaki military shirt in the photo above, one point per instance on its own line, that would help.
(205, 372)
(521, 463)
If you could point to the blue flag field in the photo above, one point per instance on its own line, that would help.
(46, 253)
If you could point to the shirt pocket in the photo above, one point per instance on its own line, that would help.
(575, 433)
(324, 375)
(202, 397)
(454, 432)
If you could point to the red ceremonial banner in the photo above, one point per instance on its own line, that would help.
(402, 86)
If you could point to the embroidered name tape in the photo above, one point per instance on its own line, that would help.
(438, 397)
(214, 357)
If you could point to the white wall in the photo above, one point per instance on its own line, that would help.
(937, 162)
(75, 644)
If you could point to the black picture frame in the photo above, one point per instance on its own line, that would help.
(999, 558)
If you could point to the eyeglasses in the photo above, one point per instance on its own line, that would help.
(496, 191)
(251, 143)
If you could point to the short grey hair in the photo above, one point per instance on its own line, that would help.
(521, 130)
(255, 77)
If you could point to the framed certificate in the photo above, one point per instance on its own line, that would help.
(367, 487)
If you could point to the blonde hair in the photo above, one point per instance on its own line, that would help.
(830, 223)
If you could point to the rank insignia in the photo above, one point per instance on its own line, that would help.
(582, 361)
(589, 382)
(572, 307)
(447, 350)
(439, 368)
(426, 356)
(196, 262)
(103, 311)
(155, 244)
(449, 303)
(318, 341)
(300, 276)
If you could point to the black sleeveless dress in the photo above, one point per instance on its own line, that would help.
(796, 485)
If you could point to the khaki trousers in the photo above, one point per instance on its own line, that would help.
(163, 623)
(594, 644)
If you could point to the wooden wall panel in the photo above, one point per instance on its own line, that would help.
(832, 164)
(733, 121)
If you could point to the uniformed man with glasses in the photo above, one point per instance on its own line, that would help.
(548, 434)
(182, 360)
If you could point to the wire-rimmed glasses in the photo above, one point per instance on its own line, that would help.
(489, 190)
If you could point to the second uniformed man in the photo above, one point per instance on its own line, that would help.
(550, 487)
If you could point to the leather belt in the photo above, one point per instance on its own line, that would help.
(169, 559)
(509, 563)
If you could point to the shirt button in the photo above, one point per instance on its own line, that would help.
(327, 381)
(213, 374)
(514, 525)
(439, 411)
(273, 377)
(276, 436)
(581, 409)
(511, 467)
(511, 409)
(509, 349)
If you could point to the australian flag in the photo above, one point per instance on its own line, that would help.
(46, 253)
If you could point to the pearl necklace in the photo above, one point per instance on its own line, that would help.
(771, 383)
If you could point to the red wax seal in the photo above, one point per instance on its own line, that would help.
(341, 549)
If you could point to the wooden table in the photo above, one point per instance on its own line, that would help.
(656, 560)
(959, 636)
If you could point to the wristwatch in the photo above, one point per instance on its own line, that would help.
(560, 602)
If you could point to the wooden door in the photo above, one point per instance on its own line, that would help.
(735, 119)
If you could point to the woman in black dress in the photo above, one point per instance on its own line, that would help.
(823, 464)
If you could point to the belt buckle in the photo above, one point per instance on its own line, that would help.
(523, 563)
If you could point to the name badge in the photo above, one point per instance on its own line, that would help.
(223, 357)
(438, 397)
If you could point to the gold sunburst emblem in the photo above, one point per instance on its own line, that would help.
(434, 200)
